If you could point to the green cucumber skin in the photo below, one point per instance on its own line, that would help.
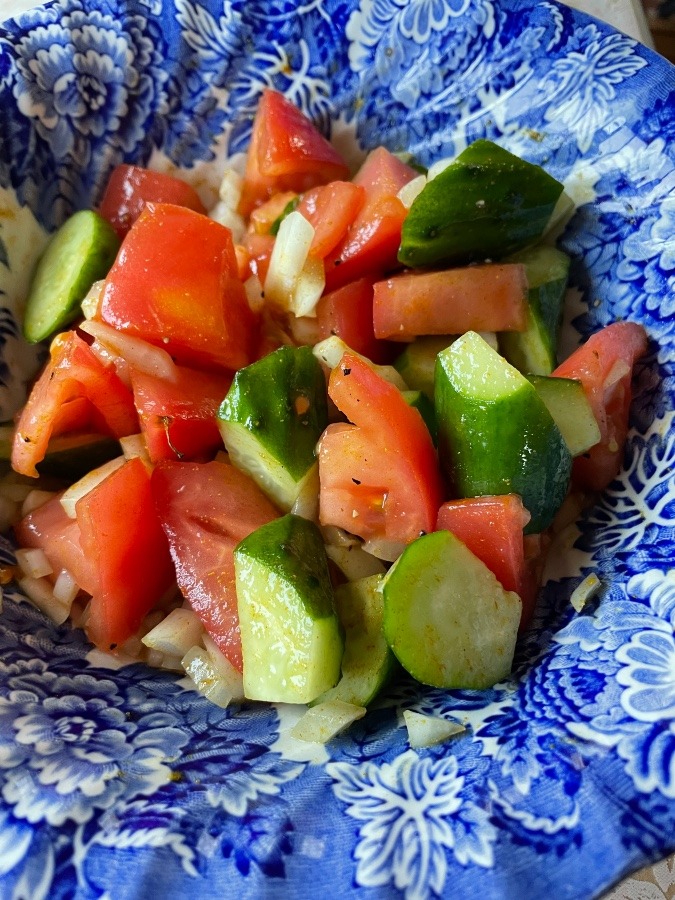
(263, 397)
(416, 365)
(567, 402)
(59, 286)
(486, 205)
(487, 450)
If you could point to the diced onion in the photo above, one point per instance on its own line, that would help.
(254, 293)
(136, 352)
(338, 537)
(34, 563)
(175, 634)
(490, 338)
(354, 562)
(288, 259)
(425, 731)
(92, 301)
(411, 190)
(35, 500)
(331, 350)
(230, 188)
(66, 588)
(199, 665)
(39, 592)
(131, 647)
(562, 211)
(305, 330)
(439, 166)
(88, 483)
(383, 549)
(172, 663)
(308, 288)
(229, 218)
(307, 502)
(134, 446)
(324, 721)
(226, 671)
(585, 591)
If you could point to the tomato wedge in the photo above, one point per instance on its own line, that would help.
(122, 538)
(475, 298)
(129, 188)
(286, 153)
(604, 366)
(371, 244)
(178, 418)
(348, 313)
(206, 510)
(175, 284)
(330, 210)
(379, 477)
(73, 375)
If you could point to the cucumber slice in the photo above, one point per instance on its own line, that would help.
(417, 363)
(485, 205)
(368, 663)
(425, 407)
(79, 253)
(533, 351)
(290, 634)
(272, 418)
(447, 619)
(495, 435)
(567, 402)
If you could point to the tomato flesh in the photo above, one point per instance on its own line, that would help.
(175, 284)
(178, 419)
(129, 188)
(206, 509)
(348, 313)
(379, 477)
(286, 153)
(330, 210)
(73, 375)
(604, 366)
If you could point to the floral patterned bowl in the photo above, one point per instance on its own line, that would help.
(119, 782)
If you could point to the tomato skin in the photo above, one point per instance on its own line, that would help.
(121, 536)
(73, 373)
(475, 298)
(286, 153)
(175, 284)
(492, 528)
(130, 187)
(51, 530)
(348, 313)
(604, 366)
(206, 510)
(178, 418)
(371, 244)
(259, 248)
(330, 210)
(379, 478)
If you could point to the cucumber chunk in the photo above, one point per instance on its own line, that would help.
(495, 434)
(567, 402)
(290, 635)
(79, 253)
(447, 619)
(417, 363)
(367, 663)
(533, 351)
(272, 418)
(486, 205)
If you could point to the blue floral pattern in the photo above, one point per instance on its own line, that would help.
(114, 779)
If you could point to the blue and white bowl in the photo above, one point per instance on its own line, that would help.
(119, 782)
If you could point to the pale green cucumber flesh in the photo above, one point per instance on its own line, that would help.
(447, 619)
(531, 351)
(272, 418)
(290, 635)
(417, 363)
(495, 435)
(486, 205)
(367, 663)
(566, 400)
(78, 254)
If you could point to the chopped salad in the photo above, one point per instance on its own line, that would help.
(317, 435)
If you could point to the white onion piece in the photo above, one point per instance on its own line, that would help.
(425, 731)
(39, 592)
(92, 300)
(134, 446)
(229, 218)
(305, 330)
(35, 500)
(490, 338)
(34, 563)
(331, 350)
(585, 591)
(324, 721)
(230, 187)
(87, 483)
(338, 537)
(410, 191)
(382, 549)
(175, 634)
(227, 673)
(562, 212)
(354, 562)
(136, 352)
(198, 664)
(309, 288)
(288, 259)
(307, 501)
(131, 647)
(254, 293)
(66, 588)
(439, 166)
